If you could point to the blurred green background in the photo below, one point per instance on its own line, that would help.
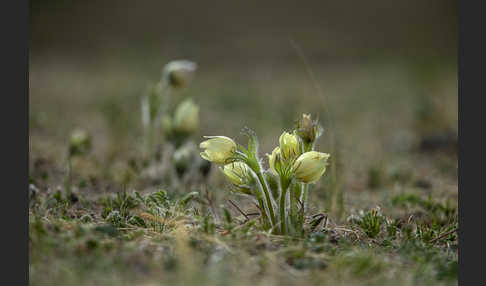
(381, 76)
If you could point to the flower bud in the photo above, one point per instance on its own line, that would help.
(186, 117)
(271, 159)
(310, 166)
(307, 129)
(289, 145)
(238, 173)
(218, 149)
(80, 142)
(179, 73)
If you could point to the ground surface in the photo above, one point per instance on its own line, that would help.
(391, 131)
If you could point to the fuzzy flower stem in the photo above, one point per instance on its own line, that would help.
(164, 106)
(268, 198)
(261, 206)
(154, 123)
(164, 90)
(150, 142)
(254, 165)
(283, 196)
(263, 214)
(303, 199)
(305, 187)
(69, 178)
(303, 194)
(292, 207)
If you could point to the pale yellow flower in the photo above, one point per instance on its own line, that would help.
(80, 142)
(218, 149)
(237, 173)
(271, 159)
(310, 166)
(186, 117)
(289, 145)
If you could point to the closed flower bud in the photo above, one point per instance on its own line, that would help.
(238, 173)
(271, 159)
(289, 145)
(310, 166)
(186, 117)
(179, 73)
(307, 129)
(218, 149)
(80, 142)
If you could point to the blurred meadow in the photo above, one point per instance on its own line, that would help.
(381, 77)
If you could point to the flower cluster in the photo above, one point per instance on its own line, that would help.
(177, 126)
(176, 75)
(292, 165)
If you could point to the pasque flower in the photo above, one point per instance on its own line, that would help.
(238, 173)
(292, 165)
(310, 166)
(179, 72)
(80, 142)
(218, 149)
(271, 159)
(186, 117)
(305, 128)
(289, 145)
(308, 130)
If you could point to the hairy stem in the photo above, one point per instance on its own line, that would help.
(303, 199)
(268, 197)
(283, 196)
(265, 220)
(292, 208)
(261, 206)
(150, 141)
(69, 178)
(303, 195)
(163, 95)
